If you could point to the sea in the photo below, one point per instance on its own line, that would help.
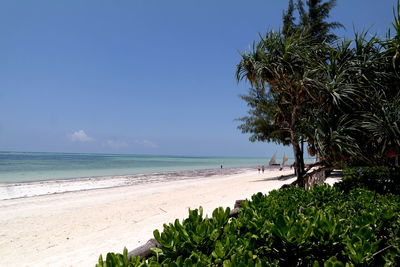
(17, 167)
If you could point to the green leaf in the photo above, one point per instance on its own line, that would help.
(215, 234)
(219, 250)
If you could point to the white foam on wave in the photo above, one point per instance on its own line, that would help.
(31, 189)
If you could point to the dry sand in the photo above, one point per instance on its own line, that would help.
(73, 229)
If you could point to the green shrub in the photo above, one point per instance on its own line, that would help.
(379, 179)
(291, 227)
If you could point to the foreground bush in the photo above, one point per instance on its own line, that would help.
(291, 227)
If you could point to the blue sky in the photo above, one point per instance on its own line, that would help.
(138, 76)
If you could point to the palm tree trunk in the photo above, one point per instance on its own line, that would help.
(297, 151)
(298, 164)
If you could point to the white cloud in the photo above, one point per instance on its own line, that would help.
(146, 143)
(80, 136)
(116, 144)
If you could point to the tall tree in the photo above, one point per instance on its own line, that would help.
(356, 122)
(280, 66)
(313, 22)
(342, 98)
(260, 121)
(289, 26)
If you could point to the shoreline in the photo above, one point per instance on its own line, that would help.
(9, 191)
(118, 175)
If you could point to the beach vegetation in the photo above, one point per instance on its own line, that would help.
(324, 226)
(380, 179)
(340, 97)
(279, 69)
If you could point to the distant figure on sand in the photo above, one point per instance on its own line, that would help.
(258, 169)
(262, 168)
(221, 166)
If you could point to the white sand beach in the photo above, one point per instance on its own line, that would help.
(74, 228)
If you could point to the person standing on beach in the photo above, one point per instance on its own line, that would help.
(258, 169)
(262, 168)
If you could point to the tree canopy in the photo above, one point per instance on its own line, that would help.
(341, 97)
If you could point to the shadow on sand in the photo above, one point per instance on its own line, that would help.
(277, 178)
(334, 174)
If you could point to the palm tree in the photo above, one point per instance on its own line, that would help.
(356, 120)
(312, 22)
(337, 97)
(283, 64)
(383, 126)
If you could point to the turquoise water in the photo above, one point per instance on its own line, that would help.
(32, 166)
